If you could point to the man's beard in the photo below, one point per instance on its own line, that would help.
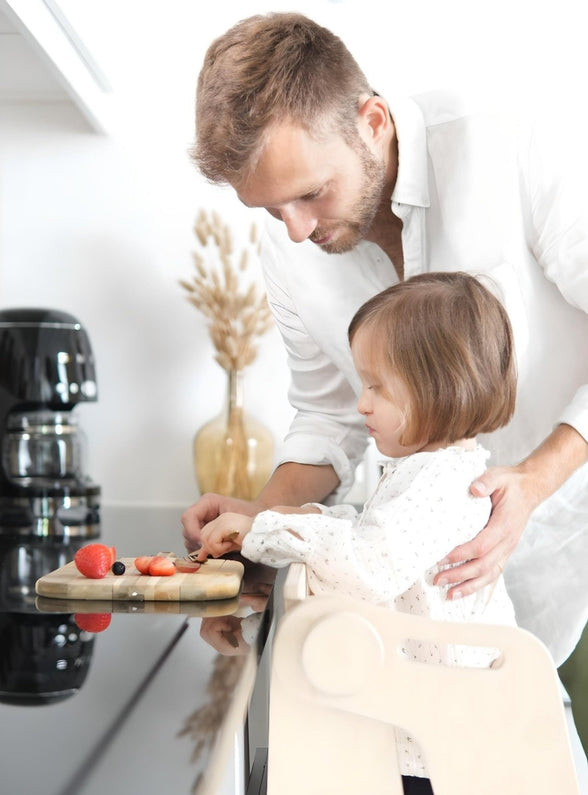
(365, 209)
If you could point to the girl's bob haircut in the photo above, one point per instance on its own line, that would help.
(450, 341)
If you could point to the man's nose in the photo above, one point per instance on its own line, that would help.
(300, 224)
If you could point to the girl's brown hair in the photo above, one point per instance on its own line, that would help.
(450, 341)
(266, 69)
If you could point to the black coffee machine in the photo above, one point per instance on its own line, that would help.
(46, 369)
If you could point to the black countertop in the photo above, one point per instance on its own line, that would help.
(156, 702)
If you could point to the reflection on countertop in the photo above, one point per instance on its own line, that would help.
(147, 701)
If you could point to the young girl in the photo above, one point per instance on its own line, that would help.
(436, 362)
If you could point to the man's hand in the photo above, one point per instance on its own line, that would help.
(208, 508)
(513, 500)
(515, 493)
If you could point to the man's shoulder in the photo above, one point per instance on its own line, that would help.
(446, 106)
(443, 106)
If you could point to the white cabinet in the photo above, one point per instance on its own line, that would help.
(43, 58)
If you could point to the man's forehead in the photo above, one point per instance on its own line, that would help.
(277, 193)
(290, 165)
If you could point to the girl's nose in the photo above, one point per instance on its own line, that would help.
(300, 224)
(363, 405)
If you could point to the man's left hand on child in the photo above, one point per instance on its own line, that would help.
(515, 493)
(485, 556)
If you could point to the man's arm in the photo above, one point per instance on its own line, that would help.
(290, 484)
(295, 484)
(515, 492)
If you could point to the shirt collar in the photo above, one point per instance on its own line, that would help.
(411, 182)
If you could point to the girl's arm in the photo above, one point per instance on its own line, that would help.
(226, 532)
(380, 556)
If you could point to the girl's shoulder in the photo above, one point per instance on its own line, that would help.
(440, 478)
(447, 471)
(453, 458)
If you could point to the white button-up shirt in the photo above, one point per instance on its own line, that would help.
(499, 198)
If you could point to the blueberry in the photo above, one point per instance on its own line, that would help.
(118, 567)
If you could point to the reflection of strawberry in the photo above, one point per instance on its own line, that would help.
(161, 566)
(92, 622)
(95, 560)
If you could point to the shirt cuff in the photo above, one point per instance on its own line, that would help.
(307, 449)
(576, 413)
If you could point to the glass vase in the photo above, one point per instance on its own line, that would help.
(233, 453)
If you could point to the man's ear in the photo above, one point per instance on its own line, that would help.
(374, 119)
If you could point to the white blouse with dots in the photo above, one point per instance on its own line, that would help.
(389, 553)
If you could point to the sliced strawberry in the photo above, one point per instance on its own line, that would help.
(161, 566)
(94, 560)
(186, 565)
(93, 622)
(142, 563)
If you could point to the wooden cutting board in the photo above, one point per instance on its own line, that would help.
(216, 579)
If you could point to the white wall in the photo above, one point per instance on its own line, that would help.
(102, 226)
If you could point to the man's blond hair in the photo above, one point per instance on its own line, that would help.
(270, 69)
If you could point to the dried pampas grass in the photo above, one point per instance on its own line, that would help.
(237, 315)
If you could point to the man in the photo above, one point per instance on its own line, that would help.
(371, 189)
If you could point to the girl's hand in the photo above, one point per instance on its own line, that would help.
(224, 634)
(224, 534)
(206, 510)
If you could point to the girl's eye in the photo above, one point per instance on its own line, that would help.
(374, 387)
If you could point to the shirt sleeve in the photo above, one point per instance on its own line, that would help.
(378, 555)
(554, 167)
(326, 429)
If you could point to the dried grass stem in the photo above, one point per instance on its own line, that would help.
(237, 314)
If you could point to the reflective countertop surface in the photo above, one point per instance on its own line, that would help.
(147, 705)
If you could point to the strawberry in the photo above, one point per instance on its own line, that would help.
(142, 563)
(161, 566)
(95, 560)
(92, 622)
(186, 565)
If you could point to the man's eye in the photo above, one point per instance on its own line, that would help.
(314, 195)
